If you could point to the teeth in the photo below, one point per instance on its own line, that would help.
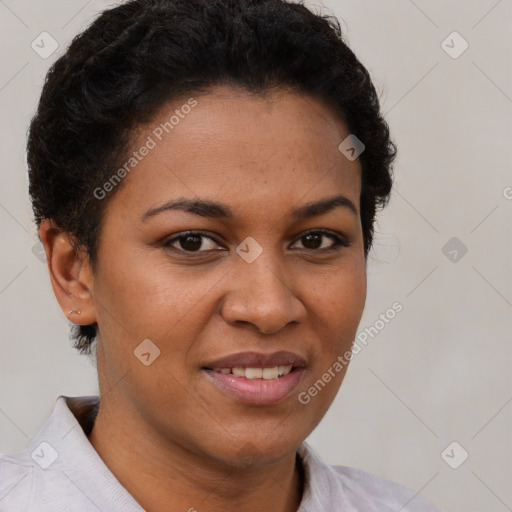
(258, 373)
(270, 373)
(253, 373)
(284, 370)
(239, 372)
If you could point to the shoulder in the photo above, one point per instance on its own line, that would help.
(39, 479)
(36, 478)
(59, 470)
(347, 489)
(29, 484)
(374, 491)
(16, 472)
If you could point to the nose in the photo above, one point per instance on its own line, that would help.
(261, 295)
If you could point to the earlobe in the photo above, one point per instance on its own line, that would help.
(70, 274)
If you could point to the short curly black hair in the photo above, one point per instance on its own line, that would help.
(135, 57)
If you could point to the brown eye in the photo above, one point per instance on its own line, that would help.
(192, 242)
(321, 241)
(312, 241)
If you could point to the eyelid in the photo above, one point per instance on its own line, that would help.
(166, 242)
(338, 240)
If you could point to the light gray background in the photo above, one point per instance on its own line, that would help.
(440, 370)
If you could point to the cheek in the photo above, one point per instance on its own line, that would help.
(337, 301)
(339, 297)
(146, 297)
(152, 300)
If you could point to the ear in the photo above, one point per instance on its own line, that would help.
(70, 274)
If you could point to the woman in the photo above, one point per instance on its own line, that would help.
(205, 177)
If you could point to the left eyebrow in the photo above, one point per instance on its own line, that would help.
(206, 208)
(325, 205)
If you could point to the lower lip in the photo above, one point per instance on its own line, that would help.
(256, 391)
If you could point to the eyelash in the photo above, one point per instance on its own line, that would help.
(338, 241)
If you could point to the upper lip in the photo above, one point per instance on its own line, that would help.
(257, 360)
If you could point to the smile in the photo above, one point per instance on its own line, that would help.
(254, 378)
(275, 372)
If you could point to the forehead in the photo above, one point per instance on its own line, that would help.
(242, 146)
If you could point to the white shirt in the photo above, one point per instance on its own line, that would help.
(60, 471)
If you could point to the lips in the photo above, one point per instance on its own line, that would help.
(257, 360)
(255, 378)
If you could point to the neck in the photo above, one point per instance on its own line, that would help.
(165, 475)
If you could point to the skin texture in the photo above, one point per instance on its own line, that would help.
(170, 436)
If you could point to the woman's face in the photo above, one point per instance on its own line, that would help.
(266, 279)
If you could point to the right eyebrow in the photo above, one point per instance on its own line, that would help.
(202, 207)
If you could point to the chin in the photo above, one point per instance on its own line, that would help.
(253, 452)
